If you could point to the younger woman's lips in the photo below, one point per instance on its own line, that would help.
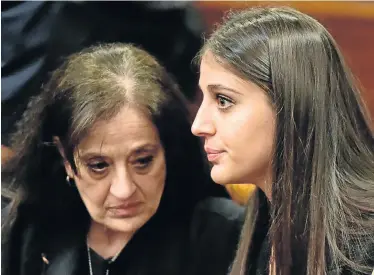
(212, 154)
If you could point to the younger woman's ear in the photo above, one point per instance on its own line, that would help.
(68, 169)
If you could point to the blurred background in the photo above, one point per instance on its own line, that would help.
(37, 35)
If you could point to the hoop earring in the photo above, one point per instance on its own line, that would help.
(69, 181)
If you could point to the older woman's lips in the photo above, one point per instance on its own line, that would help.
(126, 210)
(213, 154)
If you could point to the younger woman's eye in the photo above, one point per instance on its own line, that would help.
(224, 102)
(98, 167)
(142, 163)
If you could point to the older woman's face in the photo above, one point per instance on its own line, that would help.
(121, 171)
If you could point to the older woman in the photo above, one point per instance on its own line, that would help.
(107, 178)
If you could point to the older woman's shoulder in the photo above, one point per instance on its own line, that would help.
(217, 221)
(215, 231)
(221, 208)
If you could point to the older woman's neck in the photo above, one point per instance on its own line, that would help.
(106, 242)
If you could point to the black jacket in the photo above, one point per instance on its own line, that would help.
(205, 244)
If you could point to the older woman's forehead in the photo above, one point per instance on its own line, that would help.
(130, 126)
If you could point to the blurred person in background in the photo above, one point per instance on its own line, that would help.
(36, 35)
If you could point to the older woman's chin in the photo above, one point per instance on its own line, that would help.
(126, 223)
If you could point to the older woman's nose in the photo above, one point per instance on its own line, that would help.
(123, 185)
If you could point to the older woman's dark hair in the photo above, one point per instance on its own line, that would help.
(322, 208)
(90, 86)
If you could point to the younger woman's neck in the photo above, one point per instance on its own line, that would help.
(265, 184)
(106, 242)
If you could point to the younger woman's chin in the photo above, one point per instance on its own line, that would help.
(223, 177)
(220, 178)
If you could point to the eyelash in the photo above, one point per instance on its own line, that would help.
(143, 163)
(94, 167)
(140, 163)
(226, 100)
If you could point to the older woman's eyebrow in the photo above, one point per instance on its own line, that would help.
(140, 149)
(147, 148)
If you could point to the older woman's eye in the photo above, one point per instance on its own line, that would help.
(223, 102)
(142, 163)
(98, 167)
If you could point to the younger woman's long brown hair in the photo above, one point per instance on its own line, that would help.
(322, 204)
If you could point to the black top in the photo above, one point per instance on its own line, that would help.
(98, 263)
(259, 254)
(204, 244)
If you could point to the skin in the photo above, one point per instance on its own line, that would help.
(121, 177)
(6, 154)
(237, 123)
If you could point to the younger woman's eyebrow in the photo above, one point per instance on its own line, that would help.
(219, 87)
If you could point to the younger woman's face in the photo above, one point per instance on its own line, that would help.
(237, 122)
(121, 171)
